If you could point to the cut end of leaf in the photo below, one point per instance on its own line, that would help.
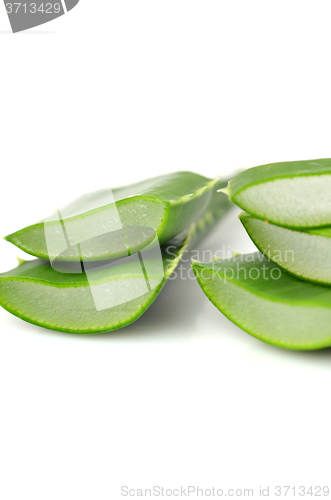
(269, 304)
(303, 188)
(302, 253)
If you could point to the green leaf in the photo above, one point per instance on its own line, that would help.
(84, 302)
(267, 302)
(115, 223)
(291, 194)
(305, 254)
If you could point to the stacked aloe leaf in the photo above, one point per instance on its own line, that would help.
(103, 259)
(281, 295)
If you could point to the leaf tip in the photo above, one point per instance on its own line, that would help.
(225, 190)
(20, 261)
(235, 254)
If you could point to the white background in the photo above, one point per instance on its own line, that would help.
(114, 92)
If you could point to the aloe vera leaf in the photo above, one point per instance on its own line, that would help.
(81, 303)
(292, 194)
(306, 254)
(115, 223)
(267, 302)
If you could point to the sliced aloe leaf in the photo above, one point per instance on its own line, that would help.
(267, 302)
(115, 223)
(292, 194)
(104, 296)
(305, 253)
